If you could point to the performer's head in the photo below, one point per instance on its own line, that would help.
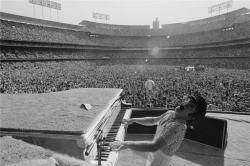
(193, 109)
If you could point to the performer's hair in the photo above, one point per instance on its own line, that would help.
(200, 110)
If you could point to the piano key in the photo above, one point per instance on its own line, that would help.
(111, 135)
(115, 132)
(101, 159)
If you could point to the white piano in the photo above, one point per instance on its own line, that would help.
(57, 121)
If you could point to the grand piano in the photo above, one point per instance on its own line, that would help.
(60, 122)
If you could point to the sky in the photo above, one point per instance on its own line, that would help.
(124, 12)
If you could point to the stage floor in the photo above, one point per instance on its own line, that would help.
(237, 152)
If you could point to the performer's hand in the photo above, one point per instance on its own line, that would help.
(117, 146)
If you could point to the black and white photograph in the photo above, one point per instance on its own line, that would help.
(124, 82)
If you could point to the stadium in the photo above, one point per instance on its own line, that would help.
(51, 71)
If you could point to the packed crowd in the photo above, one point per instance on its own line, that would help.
(226, 89)
(235, 57)
(11, 30)
(240, 31)
(115, 29)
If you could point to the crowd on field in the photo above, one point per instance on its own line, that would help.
(225, 89)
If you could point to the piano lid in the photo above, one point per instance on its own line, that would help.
(56, 111)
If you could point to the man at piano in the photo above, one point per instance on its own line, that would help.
(171, 128)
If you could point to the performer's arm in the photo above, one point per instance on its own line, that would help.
(146, 121)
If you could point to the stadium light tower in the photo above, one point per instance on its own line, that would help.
(46, 3)
(219, 7)
(100, 16)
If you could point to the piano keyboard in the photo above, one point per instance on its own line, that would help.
(116, 133)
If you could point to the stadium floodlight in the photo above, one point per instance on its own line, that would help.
(221, 6)
(100, 16)
(47, 3)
